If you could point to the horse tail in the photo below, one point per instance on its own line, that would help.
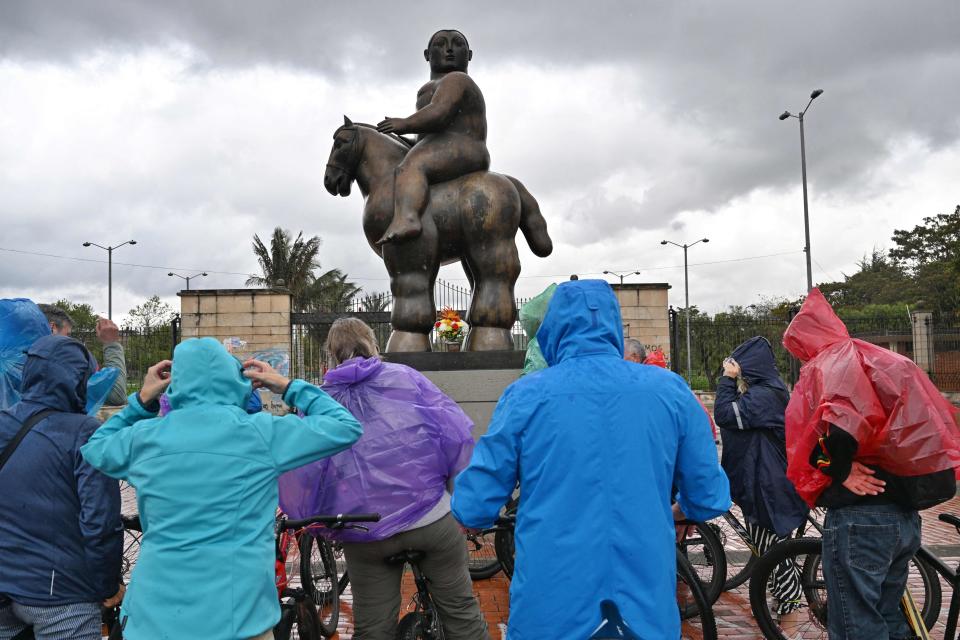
(532, 224)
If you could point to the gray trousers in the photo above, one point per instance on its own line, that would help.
(376, 585)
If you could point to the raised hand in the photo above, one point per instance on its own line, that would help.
(731, 368)
(861, 481)
(262, 374)
(156, 381)
(116, 598)
(107, 331)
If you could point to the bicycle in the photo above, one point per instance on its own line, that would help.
(299, 604)
(112, 623)
(729, 527)
(923, 588)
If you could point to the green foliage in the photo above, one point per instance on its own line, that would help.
(375, 302)
(84, 319)
(292, 263)
(151, 314)
(289, 262)
(930, 254)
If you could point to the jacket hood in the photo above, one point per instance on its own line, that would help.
(353, 371)
(56, 373)
(814, 329)
(204, 373)
(757, 362)
(656, 358)
(583, 319)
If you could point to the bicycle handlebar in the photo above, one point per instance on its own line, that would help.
(337, 521)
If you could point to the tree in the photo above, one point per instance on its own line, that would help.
(375, 302)
(331, 292)
(930, 253)
(879, 280)
(288, 263)
(84, 319)
(151, 314)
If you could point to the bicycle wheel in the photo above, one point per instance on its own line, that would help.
(808, 621)
(482, 556)
(283, 628)
(740, 559)
(411, 626)
(701, 546)
(306, 624)
(503, 544)
(698, 621)
(319, 577)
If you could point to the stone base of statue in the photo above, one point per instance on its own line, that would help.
(474, 379)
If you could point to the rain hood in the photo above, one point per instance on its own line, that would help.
(205, 373)
(582, 320)
(900, 420)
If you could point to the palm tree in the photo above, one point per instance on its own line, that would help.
(373, 302)
(331, 292)
(288, 263)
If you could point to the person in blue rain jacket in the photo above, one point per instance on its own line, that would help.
(596, 444)
(749, 409)
(206, 480)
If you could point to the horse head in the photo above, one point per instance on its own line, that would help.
(344, 158)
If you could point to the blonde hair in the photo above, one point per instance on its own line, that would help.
(350, 338)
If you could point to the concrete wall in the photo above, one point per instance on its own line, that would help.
(477, 392)
(250, 322)
(643, 307)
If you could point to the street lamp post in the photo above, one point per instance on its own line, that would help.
(187, 278)
(686, 290)
(109, 251)
(625, 274)
(803, 172)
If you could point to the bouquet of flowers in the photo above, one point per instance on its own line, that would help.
(450, 327)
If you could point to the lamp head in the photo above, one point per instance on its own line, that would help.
(170, 274)
(606, 272)
(86, 244)
(663, 242)
(636, 273)
(133, 242)
(204, 273)
(816, 93)
(706, 239)
(784, 115)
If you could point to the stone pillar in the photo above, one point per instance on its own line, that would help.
(643, 308)
(923, 353)
(251, 323)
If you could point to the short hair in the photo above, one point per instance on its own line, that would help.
(633, 346)
(430, 41)
(56, 316)
(350, 338)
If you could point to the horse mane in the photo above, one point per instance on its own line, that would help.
(406, 143)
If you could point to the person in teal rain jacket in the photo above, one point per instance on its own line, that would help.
(596, 444)
(206, 480)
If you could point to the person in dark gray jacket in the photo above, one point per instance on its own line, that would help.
(61, 538)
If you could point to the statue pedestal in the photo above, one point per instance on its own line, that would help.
(474, 379)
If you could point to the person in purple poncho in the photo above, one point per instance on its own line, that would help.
(415, 441)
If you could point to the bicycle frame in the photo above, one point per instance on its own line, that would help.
(425, 604)
(953, 579)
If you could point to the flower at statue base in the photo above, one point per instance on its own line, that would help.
(450, 328)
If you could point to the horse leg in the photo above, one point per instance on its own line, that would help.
(495, 267)
(413, 267)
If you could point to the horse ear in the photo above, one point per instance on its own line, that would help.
(347, 122)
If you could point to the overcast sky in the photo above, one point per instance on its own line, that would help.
(189, 126)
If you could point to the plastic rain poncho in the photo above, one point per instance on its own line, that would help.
(415, 439)
(21, 324)
(901, 422)
(531, 315)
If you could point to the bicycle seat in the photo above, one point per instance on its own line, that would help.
(949, 518)
(412, 556)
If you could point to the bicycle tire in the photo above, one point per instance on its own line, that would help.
(318, 573)
(699, 606)
(503, 544)
(283, 628)
(482, 556)
(410, 626)
(705, 552)
(307, 620)
(728, 535)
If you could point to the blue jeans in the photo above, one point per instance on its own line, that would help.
(80, 621)
(866, 557)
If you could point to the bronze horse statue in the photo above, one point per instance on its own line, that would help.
(473, 219)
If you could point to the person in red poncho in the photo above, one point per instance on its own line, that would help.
(873, 440)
